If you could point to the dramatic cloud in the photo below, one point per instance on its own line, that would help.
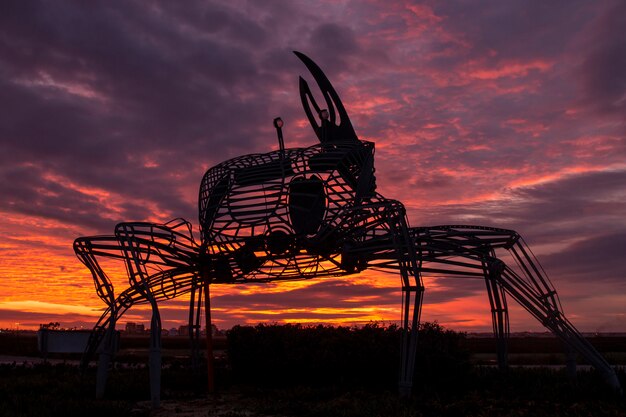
(506, 114)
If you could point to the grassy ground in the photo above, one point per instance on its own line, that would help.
(46, 390)
(60, 390)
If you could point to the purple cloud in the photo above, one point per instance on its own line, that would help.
(503, 114)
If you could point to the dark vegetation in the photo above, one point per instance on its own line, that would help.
(317, 371)
(281, 356)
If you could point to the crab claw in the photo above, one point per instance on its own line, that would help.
(335, 124)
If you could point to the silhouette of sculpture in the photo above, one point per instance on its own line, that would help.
(313, 212)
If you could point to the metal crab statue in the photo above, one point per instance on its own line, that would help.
(306, 213)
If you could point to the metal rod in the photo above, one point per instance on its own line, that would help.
(209, 340)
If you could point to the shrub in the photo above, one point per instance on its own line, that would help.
(292, 354)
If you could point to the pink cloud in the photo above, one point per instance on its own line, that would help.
(499, 115)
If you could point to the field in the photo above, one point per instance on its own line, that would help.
(318, 371)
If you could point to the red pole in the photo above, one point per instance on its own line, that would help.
(209, 340)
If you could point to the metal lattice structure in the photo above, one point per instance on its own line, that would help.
(308, 213)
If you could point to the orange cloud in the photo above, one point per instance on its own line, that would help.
(510, 69)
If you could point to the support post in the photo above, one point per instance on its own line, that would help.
(155, 357)
(209, 340)
(104, 359)
(411, 305)
(195, 306)
(499, 310)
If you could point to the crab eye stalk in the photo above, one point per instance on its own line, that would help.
(278, 124)
(324, 129)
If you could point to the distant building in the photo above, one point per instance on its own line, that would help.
(183, 330)
(134, 328)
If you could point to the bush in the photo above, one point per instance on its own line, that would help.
(292, 354)
(442, 362)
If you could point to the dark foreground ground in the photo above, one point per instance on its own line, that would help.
(60, 390)
(323, 371)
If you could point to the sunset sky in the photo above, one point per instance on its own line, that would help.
(507, 114)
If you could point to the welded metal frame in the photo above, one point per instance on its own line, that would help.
(306, 213)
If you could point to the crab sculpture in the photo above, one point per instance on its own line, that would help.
(313, 212)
